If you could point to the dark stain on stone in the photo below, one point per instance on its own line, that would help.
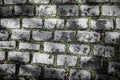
(64, 37)
(73, 25)
(72, 36)
(100, 24)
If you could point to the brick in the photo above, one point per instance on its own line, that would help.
(104, 51)
(80, 23)
(2, 55)
(39, 1)
(28, 46)
(19, 56)
(42, 58)
(24, 10)
(94, 63)
(102, 24)
(66, 1)
(4, 34)
(20, 34)
(7, 44)
(85, 36)
(66, 60)
(79, 49)
(32, 23)
(90, 10)
(117, 23)
(46, 10)
(54, 73)
(41, 35)
(30, 70)
(10, 23)
(7, 68)
(54, 47)
(65, 36)
(114, 0)
(76, 74)
(15, 1)
(110, 10)
(54, 23)
(68, 10)
(101, 77)
(96, 1)
(13, 78)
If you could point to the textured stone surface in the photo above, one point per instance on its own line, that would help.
(7, 44)
(39, 1)
(14, 1)
(4, 34)
(117, 23)
(114, 0)
(91, 1)
(101, 77)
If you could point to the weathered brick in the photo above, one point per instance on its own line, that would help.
(28, 46)
(42, 58)
(91, 1)
(39, 1)
(10, 23)
(76, 74)
(80, 23)
(46, 10)
(15, 1)
(5, 11)
(4, 34)
(117, 23)
(32, 23)
(102, 24)
(30, 70)
(103, 51)
(79, 49)
(54, 47)
(66, 60)
(56, 73)
(41, 35)
(114, 0)
(24, 10)
(19, 56)
(13, 78)
(2, 55)
(101, 77)
(90, 10)
(7, 44)
(68, 10)
(94, 63)
(54, 23)
(110, 10)
(85, 36)
(66, 1)
(20, 34)
(65, 36)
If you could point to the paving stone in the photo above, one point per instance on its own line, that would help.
(30, 70)
(94, 63)
(7, 44)
(28, 46)
(2, 55)
(76, 74)
(20, 34)
(96, 1)
(90, 10)
(54, 47)
(39, 1)
(54, 23)
(19, 56)
(114, 0)
(101, 77)
(54, 73)
(32, 23)
(102, 24)
(15, 1)
(117, 23)
(104, 51)
(10, 23)
(68, 10)
(46, 10)
(65, 36)
(43, 58)
(66, 60)
(85, 36)
(4, 34)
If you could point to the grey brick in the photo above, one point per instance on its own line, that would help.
(10, 23)
(94, 63)
(39, 1)
(66, 60)
(85, 36)
(7, 44)
(41, 35)
(2, 55)
(90, 10)
(28, 46)
(13, 78)
(54, 47)
(76, 74)
(19, 56)
(66, 1)
(91, 1)
(32, 23)
(79, 49)
(42, 58)
(101, 77)
(30, 70)
(102, 24)
(56, 73)
(15, 1)
(54, 23)
(20, 34)
(5, 11)
(114, 0)
(65, 36)
(4, 34)
(68, 10)
(80, 23)
(117, 23)
(46, 10)
(103, 51)
(24, 10)
(110, 10)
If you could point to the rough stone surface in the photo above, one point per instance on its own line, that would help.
(114, 0)
(66, 1)
(2, 55)
(117, 23)
(91, 1)
(4, 34)
(39, 1)
(15, 1)
(7, 44)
